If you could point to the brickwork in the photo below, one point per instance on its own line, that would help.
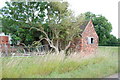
(89, 32)
(4, 43)
(4, 39)
(82, 44)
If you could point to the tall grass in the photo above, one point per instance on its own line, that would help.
(101, 64)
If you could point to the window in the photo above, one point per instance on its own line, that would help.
(90, 40)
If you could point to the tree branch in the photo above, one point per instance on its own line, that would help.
(68, 45)
(40, 31)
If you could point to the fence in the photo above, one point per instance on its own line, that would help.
(23, 51)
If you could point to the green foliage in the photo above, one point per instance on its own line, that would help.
(113, 41)
(118, 41)
(54, 18)
(18, 17)
(60, 25)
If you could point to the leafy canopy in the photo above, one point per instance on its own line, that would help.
(35, 21)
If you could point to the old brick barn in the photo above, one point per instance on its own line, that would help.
(89, 38)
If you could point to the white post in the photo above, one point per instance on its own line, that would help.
(9, 36)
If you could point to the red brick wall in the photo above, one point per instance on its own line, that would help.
(4, 40)
(89, 32)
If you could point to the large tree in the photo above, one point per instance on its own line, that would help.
(50, 21)
(63, 27)
(18, 17)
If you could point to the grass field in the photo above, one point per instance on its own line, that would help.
(99, 65)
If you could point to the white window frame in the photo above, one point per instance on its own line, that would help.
(89, 40)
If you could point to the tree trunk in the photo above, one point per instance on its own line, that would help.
(67, 48)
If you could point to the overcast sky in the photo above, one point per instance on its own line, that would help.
(107, 8)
